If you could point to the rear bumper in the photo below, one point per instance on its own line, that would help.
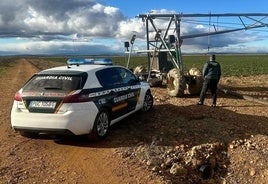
(44, 130)
(77, 120)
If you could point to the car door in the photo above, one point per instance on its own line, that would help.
(133, 87)
(115, 91)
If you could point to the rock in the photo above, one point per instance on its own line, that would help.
(177, 169)
(168, 162)
(232, 146)
(155, 169)
(148, 163)
(195, 162)
(252, 172)
(163, 166)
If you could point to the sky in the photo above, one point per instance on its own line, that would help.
(93, 27)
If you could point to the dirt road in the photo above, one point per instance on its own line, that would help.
(47, 160)
(170, 144)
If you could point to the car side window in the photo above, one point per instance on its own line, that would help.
(109, 77)
(127, 77)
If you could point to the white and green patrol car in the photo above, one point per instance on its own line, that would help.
(84, 97)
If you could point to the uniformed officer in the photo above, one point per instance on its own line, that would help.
(211, 73)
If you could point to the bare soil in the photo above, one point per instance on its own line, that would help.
(173, 143)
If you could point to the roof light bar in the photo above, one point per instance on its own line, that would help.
(89, 61)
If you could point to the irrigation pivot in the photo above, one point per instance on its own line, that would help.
(164, 48)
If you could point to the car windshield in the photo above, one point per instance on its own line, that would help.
(63, 83)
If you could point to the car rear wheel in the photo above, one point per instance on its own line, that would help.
(101, 126)
(148, 102)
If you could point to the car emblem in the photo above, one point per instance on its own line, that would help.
(42, 94)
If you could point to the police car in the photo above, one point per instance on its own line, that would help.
(85, 97)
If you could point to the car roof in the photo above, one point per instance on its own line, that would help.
(75, 69)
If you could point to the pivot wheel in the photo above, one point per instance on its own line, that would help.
(175, 83)
(195, 83)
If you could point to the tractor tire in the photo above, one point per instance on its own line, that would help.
(196, 82)
(196, 86)
(195, 72)
(175, 83)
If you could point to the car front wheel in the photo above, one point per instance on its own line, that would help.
(148, 102)
(101, 126)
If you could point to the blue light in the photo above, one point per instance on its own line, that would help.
(89, 61)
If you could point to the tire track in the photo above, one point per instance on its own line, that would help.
(11, 81)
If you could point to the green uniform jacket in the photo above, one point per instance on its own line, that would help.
(212, 70)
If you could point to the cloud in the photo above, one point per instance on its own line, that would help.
(53, 26)
(45, 19)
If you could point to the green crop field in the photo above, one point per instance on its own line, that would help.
(232, 65)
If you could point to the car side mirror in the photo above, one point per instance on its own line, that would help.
(141, 78)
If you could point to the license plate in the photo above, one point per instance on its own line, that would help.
(42, 104)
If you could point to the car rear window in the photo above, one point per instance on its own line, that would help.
(63, 83)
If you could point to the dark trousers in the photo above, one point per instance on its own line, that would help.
(211, 84)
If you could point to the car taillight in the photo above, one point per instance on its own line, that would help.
(76, 98)
(18, 97)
